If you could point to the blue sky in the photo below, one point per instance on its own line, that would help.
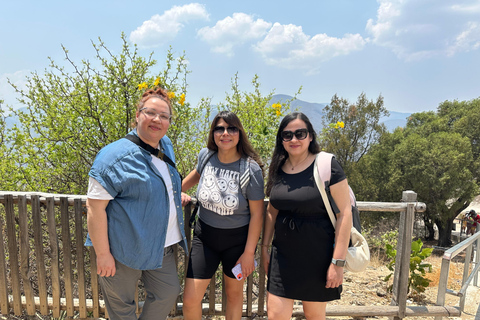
(416, 53)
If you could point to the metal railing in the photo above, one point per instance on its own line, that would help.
(466, 245)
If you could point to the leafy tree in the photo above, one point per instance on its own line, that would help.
(8, 168)
(436, 167)
(464, 117)
(431, 157)
(71, 114)
(362, 128)
(373, 172)
(73, 111)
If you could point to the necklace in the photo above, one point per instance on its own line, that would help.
(293, 166)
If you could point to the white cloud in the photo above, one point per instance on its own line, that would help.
(233, 31)
(7, 92)
(420, 29)
(467, 40)
(289, 47)
(162, 28)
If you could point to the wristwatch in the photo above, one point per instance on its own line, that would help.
(338, 262)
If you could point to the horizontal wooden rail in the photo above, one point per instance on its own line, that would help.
(362, 205)
(332, 311)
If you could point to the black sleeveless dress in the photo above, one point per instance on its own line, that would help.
(303, 242)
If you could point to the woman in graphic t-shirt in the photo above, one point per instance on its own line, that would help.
(229, 224)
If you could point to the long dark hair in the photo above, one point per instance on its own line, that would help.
(244, 147)
(280, 155)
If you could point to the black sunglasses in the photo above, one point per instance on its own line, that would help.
(300, 134)
(219, 130)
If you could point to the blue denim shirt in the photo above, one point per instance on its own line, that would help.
(138, 215)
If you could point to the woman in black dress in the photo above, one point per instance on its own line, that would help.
(307, 254)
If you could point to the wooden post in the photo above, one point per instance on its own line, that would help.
(25, 254)
(249, 293)
(52, 234)
(3, 274)
(94, 284)
(211, 296)
(67, 255)
(13, 255)
(404, 249)
(261, 272)
(82, 297)
(39, 254)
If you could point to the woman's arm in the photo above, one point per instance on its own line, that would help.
(341, 196)
(254, 229)
(190, 180)
(98, 231)
(268, 230)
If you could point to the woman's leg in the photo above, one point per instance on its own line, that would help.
(119, 292)
(279, 308)
(314, 310)
(192, 298)
(234, 292)
(162, 289)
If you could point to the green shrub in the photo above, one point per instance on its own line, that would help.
(418, 269)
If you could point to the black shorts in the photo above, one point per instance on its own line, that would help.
(210, 246)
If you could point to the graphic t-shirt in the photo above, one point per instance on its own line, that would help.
(222, 204)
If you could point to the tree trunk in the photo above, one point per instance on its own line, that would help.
(445, 233)
(430, 235)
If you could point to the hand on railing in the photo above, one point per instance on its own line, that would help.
(185, 199)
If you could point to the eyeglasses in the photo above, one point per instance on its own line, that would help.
(152, 114)
(219, 130)
(300, 134)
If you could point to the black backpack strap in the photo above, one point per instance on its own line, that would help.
(193, 217)
(155, 152)
(202, 160)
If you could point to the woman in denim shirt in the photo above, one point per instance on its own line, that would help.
(135, 216)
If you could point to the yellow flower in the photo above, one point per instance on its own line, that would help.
(182, 99)
(340, 124)
(277, 106)
(142, 85)
(278, 109)
(171, 95)
(157, 82)
(336, 125)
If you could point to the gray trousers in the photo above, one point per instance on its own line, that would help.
(161, 285)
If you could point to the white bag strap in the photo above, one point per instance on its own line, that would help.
(320, 184)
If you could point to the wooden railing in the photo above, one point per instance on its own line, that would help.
(45, 267)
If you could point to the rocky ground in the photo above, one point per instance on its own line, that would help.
(368, 289)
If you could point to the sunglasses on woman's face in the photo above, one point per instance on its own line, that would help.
(300, 134)
(219, 130)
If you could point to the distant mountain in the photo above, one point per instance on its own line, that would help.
(314, 112)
